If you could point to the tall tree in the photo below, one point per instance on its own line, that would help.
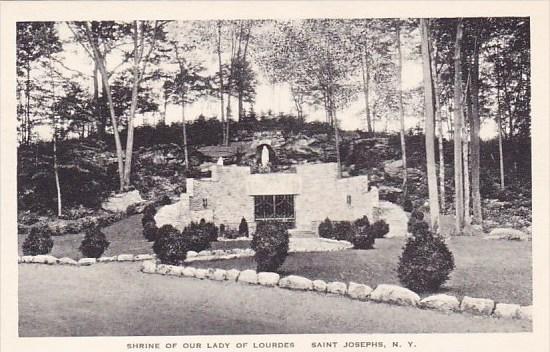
(429, 124)
(458, 113)
(401, 109)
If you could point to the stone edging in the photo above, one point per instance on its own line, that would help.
(391, 294)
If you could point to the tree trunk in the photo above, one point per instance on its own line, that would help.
(336, 141)
(242, 67)
(365, 74)
(466, 160)
(27, 123)
(474, 137)
(458, 113)
(499, 126)
(220, 75)
(184, 130)
(97, 107)
(401, 111)
(429, 126)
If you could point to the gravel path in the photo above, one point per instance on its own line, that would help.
(116, 299)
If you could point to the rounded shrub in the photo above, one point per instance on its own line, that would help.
(362, 222)
(416, 217)
(149, 211)
(197, 236)
(222, 230)
(39, 241)
(243, 228)
(150, 230)
(270, 242)
(379, 229)
(170, 245)
(344, 231)
(326, 229)
(363, 238)
(426, 262)
(131, 209)
(407, 205)
(94, 243)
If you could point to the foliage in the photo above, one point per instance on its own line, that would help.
(344, 231)
(171, 246)
(362, 222)
(326, 229)
(426, 261)
(39, 241)
(198, 236)
(149, 211)
(131, 209)
(407, 205)
(243, 228)
(94, 243)
(270, 242)
(379, 229)
(363, 237)
(416, 217)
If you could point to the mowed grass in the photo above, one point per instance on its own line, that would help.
(126, 237)
(500, 270)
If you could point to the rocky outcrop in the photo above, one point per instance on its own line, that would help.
(507, 234)
(120, 202)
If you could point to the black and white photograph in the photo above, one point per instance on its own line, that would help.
(275, 176)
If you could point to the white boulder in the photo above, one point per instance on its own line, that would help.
(189, 271)
(232, 275)
(395, 295)
(176, 270)
(296, 282)
(87, 261)
(106, 259)
(67, 261)
(45, 259)
(504, 310)
(337, 287)
(201, 273)
(319, 286)
(149, 267)
(441, 302)
(163, 269)
(480, 306)
(191, 254)
(248, 276)
(268, 279)
(503, 233)
(358, 291)
(219, 275)
(144, 257)
(26, 259)
(125, 258)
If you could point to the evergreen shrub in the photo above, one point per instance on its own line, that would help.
(363, 238)
(94, 243)
(198, 236)
(243, 228)
(39, 241)
(379, 229)
(326, 229)
(426, 262)
(170, 246)
(270, 242)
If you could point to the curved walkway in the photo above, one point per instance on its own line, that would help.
(115, 299)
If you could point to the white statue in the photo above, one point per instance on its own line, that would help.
(265, 156)
(220, 161)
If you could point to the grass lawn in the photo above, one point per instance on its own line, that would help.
(126, 236)
(500, 270)
(115, 299)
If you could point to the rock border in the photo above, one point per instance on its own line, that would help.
(382, 293)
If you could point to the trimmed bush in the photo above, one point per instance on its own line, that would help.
(171, 246)
(362, 222)
(131, 209)
(270, 242)
(243, 228)
(343, 231)
(416, 217)
(94, 243)
(407, 205)
(150, 230)
(222, 229)
(379, 229)
(326, 229)
(363, 238)
(197, 236)
(39, 241)
(149, 211)
(426, 261)
(165, 200)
